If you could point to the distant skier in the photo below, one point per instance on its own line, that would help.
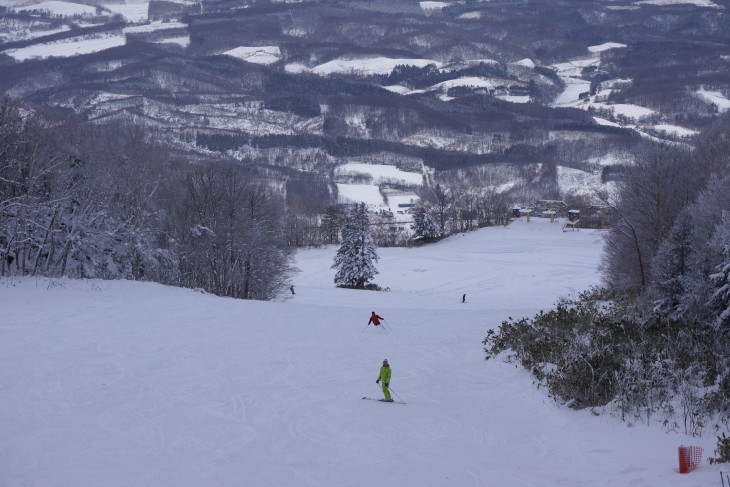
(292, 289)
(463, 298)
(375, 319)
(385, 377)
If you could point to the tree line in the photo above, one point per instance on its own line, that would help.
(107, 202)
(651, 343)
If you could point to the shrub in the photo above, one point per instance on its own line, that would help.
(600, 350)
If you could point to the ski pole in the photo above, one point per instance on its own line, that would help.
(396, 395)
(365, 328)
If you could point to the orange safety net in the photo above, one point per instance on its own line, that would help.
(689, 458)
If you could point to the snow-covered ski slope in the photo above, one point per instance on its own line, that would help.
(121, 384)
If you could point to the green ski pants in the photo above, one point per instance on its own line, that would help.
(386, 392)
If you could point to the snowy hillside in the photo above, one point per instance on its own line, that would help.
(130, 384)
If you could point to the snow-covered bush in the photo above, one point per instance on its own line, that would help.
(571, 349)
(722, 451)
(602, 351)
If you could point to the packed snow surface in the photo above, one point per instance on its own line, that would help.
(118, 383)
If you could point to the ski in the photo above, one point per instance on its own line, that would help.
(382, 400)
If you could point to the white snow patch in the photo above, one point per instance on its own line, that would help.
(296, 68)
(427, 6)
(256, 54)
(606, 46)
(527, 62)
(183, 41)
(716, 97)
(154, 27)
(131, 11)
(360, 193)
(381, 173)
(577, 182)
(675, 130)
(470, 15)
(609, 159)
(66, 48)
(603, 121)
(504, 187)
(627, 110)
(574, 68)
(23, 34)
(369, 66)
(515, 98)
(574, 87)
(467, 81)
(699, 3)
(59, 8)
(401, 90)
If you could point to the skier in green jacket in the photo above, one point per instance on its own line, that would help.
(385, 377)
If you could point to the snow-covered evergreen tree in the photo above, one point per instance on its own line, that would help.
(671, 267)
(424, 227)
(721, 279)
(355, 257)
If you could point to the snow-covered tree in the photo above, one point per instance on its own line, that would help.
(355, 257)
(671, 267)
(424, 227)
(721, 279)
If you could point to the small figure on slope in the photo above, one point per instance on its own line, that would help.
(375, 319)
(292, 289)
(463, 298)
(385, 378)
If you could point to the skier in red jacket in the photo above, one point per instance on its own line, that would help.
(375, 319)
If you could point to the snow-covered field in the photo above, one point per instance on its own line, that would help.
(132, 384)
(132, 11)
(722, 102)
(58, 8)
(68, 47)
(372, 195)
(256, 54)
(577, 94)
(381, 173)
(360, 193)
(368, 66)
(154, 27)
